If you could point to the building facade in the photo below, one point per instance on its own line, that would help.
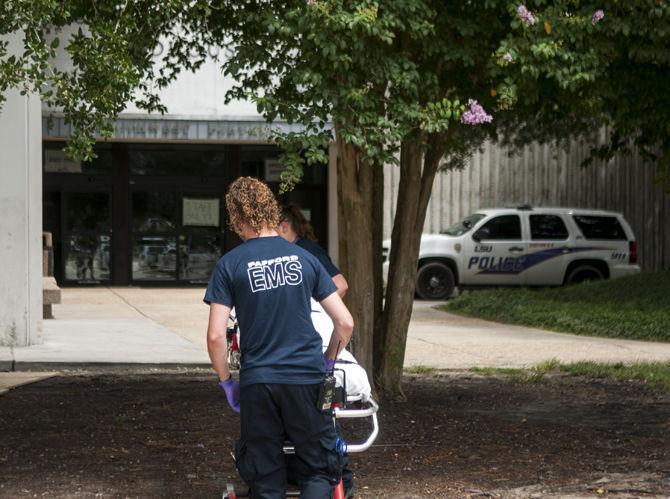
(150, 209)
(146, 213)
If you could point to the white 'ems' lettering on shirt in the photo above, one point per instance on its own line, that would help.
(270, 274)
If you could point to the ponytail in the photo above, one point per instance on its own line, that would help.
(301, 226)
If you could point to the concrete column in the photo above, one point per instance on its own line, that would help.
(20, 218)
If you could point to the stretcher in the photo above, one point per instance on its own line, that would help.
(353, 399)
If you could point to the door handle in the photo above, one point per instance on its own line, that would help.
(516, 249)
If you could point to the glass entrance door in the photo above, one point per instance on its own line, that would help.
(200, 237)
(176, 237)
(87, 237)
(154, 242)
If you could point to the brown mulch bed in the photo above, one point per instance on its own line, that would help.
(170, 433)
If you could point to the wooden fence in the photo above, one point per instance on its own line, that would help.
(542, 175)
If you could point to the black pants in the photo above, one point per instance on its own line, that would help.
(347, 474)
(272, 413)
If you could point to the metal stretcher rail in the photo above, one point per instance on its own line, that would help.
(370, 412)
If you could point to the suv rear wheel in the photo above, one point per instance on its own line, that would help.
(435, 281)
(583, 273)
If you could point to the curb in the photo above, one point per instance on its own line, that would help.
(71, 366)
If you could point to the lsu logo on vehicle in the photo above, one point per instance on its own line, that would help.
(497, 264)
(483, 248)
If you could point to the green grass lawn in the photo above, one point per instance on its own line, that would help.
(635, 307)
(655, 374)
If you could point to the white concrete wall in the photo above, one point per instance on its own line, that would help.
(201, 95)
(191, 95)
(20, 218)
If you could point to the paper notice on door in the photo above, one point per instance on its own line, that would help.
(273, 169)
(200, 212)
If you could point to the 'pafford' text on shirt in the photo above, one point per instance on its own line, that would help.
(270, 274)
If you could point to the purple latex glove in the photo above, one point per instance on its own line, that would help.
(232, 390)
(328, 364)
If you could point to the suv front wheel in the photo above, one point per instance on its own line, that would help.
(435, 281)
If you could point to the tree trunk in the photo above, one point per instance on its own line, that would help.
(356, 249)
(380, 333)
(378, 262)
(417, 172)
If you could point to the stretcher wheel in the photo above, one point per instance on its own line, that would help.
(230, 492)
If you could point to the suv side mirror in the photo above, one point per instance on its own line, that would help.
(482, 233)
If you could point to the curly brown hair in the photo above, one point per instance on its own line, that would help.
(250, 201)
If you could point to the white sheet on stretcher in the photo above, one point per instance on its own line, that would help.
(346, 367)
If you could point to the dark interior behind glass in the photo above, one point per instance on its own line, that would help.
(600, 227)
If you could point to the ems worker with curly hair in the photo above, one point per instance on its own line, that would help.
(270, 281)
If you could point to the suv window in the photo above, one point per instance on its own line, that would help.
(460, 228)
(547, 227)
(504, 227)
(595, 227)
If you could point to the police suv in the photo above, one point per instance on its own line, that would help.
(524, 246)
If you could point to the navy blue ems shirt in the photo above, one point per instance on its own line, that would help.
(269, 281)
(320, 253)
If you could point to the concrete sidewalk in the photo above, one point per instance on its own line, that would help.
(103, 327)
(9, 380)
(167, 327)
(447, 341)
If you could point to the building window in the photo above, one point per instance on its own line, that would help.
(56, 160)
(177, 161)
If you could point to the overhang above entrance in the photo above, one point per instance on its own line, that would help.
(167, 129)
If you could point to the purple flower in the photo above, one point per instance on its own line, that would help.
(597, 16)
(526, 16)
(476, 114)
(507, 57)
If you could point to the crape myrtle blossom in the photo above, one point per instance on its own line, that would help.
(476, 114)
(597, 16)
(526, 16)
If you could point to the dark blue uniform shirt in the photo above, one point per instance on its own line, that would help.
(269, 282)
(320, 253)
